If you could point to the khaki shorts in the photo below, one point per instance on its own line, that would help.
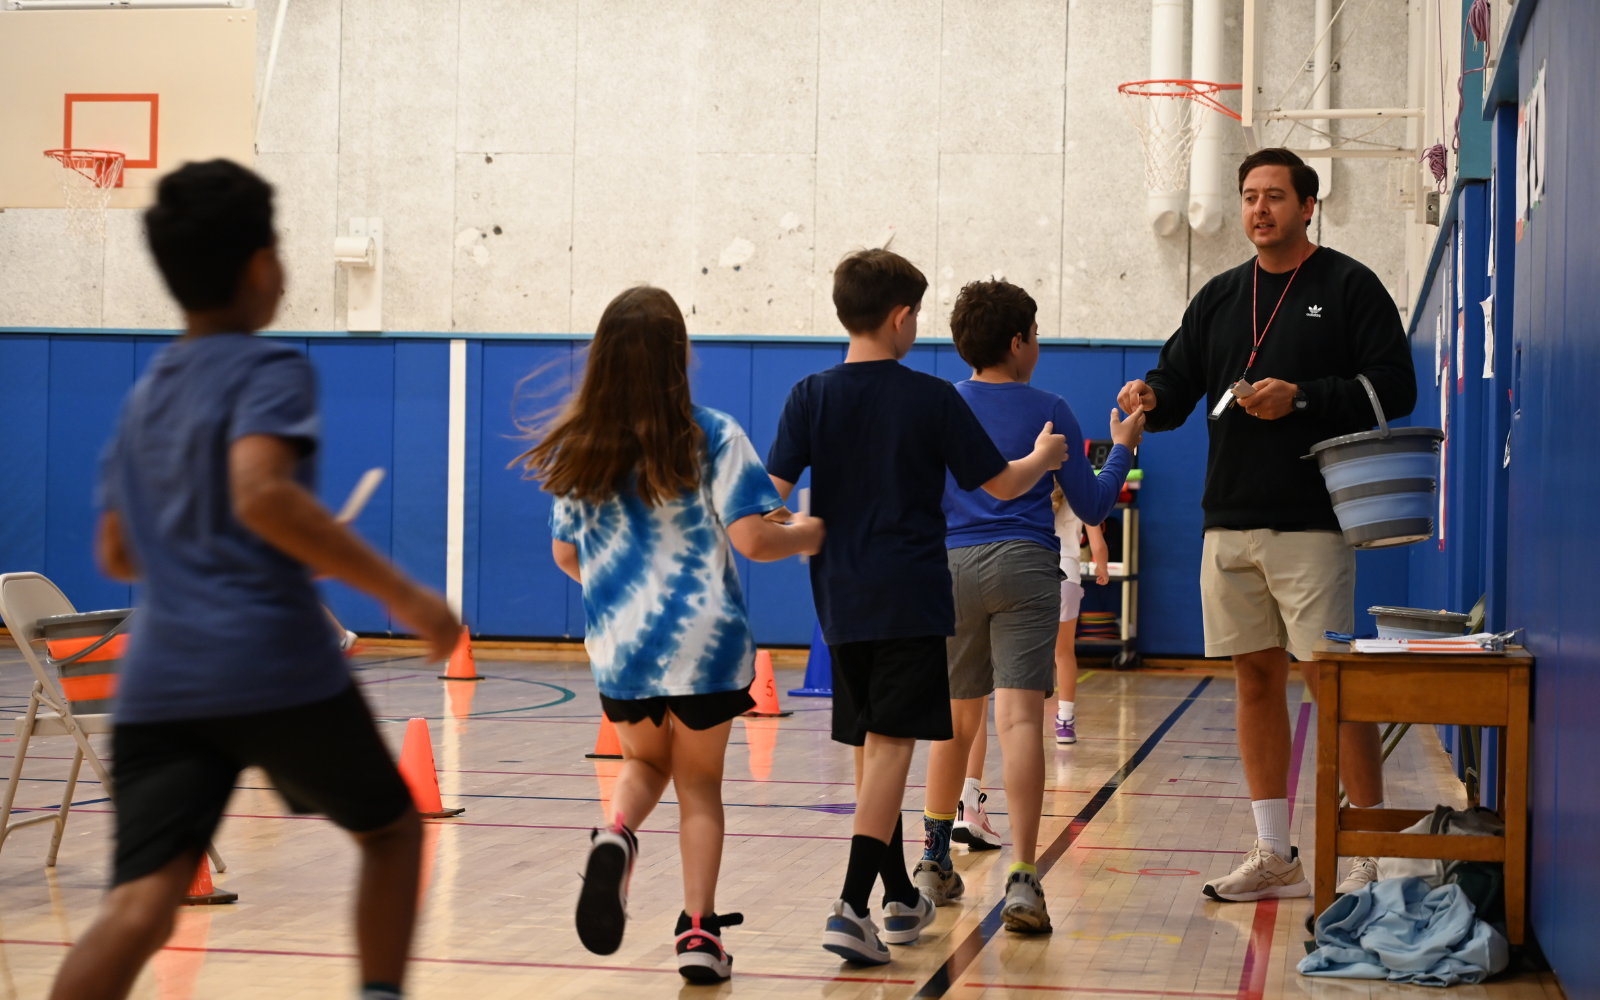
(1262, 588)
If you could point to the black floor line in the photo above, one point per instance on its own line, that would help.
(968, 950)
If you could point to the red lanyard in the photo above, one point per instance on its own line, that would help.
(1255, 283)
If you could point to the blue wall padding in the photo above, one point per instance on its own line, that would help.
(417, 481)
(521, 592)
(25, 420)
(385, 402)
(356, 381)
(87, 380)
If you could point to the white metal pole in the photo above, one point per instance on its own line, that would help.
(1321, 97)
(1166, 209)
(1205, 165)
(272, 63)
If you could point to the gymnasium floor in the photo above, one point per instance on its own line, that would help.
(1146, 807)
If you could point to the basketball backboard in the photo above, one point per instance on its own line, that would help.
(162, 87)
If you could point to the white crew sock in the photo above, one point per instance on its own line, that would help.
(970, 792)
(1272, 824)
(1065, 710)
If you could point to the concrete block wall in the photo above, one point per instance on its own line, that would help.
(530, 158)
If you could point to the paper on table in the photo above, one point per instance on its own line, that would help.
(1482, 642)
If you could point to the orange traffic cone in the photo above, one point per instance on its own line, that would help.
(461, 667)
(459, 698)
(764, 689)
(416, 767)
(201, 891)
(606, 744)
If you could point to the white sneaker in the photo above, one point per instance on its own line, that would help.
(939, 885)
(1024, 910)
(853, 938)
(1263, 875)
(902, 924)
(1362, 871)
(972, 825)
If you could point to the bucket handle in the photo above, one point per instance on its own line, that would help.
(1372, 394)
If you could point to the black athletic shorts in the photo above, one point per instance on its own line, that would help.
(697, 711)
(172, 780)
(892, 687)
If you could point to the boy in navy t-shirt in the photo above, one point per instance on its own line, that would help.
(206, 498)
(1005, 563)
(879, 439)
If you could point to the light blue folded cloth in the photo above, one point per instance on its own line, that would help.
(1402, 930)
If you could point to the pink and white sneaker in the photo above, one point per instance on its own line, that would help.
(972, 825)
(603, 902)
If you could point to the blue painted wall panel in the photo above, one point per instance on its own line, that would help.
(88, 378)
(24, 417)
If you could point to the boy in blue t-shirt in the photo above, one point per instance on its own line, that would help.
(880, 439)
(206, 499)
(1005, 566)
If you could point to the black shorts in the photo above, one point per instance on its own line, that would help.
(892, 687)
(172, 780)
(697, 711)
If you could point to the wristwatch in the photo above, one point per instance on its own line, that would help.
(1299, 399)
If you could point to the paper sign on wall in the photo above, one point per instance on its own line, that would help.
(1488, 336)
(1461, 351)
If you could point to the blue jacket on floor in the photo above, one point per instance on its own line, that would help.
(1401, 930)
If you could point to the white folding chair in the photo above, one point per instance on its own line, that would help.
(24, 599)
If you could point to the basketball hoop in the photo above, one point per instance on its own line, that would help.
(87, 177)
(1168, 115)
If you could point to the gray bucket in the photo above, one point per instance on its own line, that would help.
(1384, 483)
(1417, 623)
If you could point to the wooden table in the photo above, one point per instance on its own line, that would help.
(1466, 690)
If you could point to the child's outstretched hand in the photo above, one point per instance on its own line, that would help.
(1050, 446)
(1128, 431)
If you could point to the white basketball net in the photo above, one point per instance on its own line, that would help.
(87, 178)
(1168, 124)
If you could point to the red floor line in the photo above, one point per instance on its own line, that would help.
(486, 962)
(1258, 955)
(1091, 989)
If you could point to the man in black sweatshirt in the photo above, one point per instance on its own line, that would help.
(1274, 347)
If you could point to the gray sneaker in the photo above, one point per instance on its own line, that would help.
(1024, 911)
(853, 937)
(903, 924)
(940, 886)
(1263, 875)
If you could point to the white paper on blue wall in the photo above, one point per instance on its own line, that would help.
(1488, 336)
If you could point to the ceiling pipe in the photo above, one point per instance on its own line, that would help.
(1166, 209)
(1206, 191)
(1322, 96)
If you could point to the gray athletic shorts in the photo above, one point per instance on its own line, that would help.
(1008, 607)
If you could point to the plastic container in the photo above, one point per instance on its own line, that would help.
(1384, 483)
(1417, 623)
(86, 650)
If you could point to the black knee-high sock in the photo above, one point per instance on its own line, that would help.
(897, 885)
(866, 857)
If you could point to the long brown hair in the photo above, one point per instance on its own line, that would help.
(632, 415)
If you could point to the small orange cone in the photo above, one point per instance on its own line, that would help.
(764, 689)
(461, 667)
(417, 768)
(201, 892)
(606, 744)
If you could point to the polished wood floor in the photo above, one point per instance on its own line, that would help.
(1140, 812)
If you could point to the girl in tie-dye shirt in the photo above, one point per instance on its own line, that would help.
(651, 491)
